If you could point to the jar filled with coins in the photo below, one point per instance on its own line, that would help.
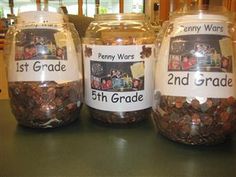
(44, 70)
(118, 57)
(194, 98)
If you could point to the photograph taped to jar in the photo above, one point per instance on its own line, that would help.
(45, 82)
(194, 99)
(118, 64)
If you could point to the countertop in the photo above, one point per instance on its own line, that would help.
(85, 148)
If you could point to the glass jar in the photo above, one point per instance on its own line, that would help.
(44, 70)
(118, 54)
(194, 101)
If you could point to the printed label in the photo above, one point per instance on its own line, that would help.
(201, 28)
(118, 78)
(44, 54)
(196, 65)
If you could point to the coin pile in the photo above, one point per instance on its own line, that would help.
(120, 117)
(187, 121)
(45, 104)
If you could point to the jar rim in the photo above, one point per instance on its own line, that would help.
(210, 13)
(120, 16)
(40, 17)
(203, 17)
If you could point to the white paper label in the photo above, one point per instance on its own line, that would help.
(196, 60)
(118, 78)
(44, 54)
(183, 28)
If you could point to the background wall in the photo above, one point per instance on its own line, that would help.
(3, 82)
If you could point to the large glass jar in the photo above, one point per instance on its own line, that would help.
(195, 78)
(118, 64)
(44, 70)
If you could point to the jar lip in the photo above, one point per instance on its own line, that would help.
(216, 13)
(190, 17)
(40, 17)
(120, 16)
(42, 25)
